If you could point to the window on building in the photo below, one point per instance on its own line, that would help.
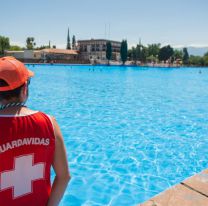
(104, 47)
(93, 48)
(97, 47)
(85, 48)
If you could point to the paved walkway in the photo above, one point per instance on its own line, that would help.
(191, 192)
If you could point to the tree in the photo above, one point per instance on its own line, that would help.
(68, 46)
(132, 54)
(185, 56)
(205, 60)
(124, 51)
(15, 48)
(138, 51)
(165, 53)
(144, 54)
(151, 59)
(178, 54)
(108, 51)
(196, 60)
(42, 47)
(153, 49)
(4, 44)
(73, 42)
(30, 43)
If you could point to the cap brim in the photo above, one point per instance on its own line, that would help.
(31, 74)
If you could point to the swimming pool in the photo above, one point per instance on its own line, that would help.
(130, 132)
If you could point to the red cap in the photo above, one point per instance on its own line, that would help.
(13, 72)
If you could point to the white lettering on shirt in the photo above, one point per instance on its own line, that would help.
(25, 141)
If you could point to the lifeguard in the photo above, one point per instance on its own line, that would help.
(30, 144)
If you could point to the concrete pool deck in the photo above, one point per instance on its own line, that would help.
(190, 192)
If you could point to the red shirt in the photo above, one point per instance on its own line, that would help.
(27, 145)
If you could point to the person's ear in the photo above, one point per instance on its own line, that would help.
(24, 92)
(25, 89)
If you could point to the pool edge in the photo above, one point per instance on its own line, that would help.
(190, 192)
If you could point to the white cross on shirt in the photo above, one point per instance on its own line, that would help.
(21, 177)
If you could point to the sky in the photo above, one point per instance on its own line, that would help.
(174, 22)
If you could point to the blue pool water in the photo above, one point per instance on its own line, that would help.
(130, 132)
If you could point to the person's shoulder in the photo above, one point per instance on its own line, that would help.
(51, 117)
(39, 112)
(45, 115)
(26, 110)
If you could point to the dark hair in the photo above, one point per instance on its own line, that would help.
(7, 95)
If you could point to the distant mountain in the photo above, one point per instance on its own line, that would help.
(197, 51)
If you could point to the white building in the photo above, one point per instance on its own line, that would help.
(95, 49)
(45, 55)
(26, 54)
